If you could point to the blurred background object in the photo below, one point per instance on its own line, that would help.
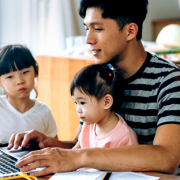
(169, 36)
(168, 43)
(178, 3)
(166, 34)
(44, 25)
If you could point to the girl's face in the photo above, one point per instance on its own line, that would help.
(18, 84)
(88, 108)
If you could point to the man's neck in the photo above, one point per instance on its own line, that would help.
(132, 59)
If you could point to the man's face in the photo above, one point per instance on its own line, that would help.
(106, 39)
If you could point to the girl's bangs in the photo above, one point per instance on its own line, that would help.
(14, 63)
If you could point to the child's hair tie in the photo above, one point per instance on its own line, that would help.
(110, 66)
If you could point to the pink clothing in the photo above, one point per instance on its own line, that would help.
(121, 135)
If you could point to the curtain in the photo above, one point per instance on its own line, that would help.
(41, 25)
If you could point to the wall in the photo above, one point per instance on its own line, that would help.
(159, 9)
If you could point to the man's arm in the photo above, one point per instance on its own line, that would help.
(77, 146)
(22, 140)
(162, 156)
(67, 144)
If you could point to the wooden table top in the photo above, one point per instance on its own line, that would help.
(161, 175)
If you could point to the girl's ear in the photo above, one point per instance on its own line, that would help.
(36, 71)
(108, 101)
(1, 84)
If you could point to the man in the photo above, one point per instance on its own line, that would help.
(151, 107)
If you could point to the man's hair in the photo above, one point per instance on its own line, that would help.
(97, 80)
(122, 11)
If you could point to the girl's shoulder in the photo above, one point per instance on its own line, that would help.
(3, 98)
(3, 101)
(41, 106)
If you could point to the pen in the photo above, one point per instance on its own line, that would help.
(107, 176)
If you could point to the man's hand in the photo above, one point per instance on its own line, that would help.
(53, 159)
(22, 139)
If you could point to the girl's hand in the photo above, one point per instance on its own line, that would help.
(22, 139)
(53, 159)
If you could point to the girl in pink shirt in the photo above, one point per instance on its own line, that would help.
(98, 91)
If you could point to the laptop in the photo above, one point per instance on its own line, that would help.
(8, 160)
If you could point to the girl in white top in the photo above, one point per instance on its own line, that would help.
(19, 113)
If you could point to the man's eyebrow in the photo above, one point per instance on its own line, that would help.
(93, 23)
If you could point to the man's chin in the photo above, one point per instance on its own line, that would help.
(101, 61)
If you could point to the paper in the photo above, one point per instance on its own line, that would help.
(131, 176)
(123, 175)
(94, 174)
(79, 175)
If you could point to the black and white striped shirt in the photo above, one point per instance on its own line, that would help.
(152, 98)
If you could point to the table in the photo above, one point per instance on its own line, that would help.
(161, 175)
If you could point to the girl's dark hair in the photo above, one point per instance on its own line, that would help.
(16, 57)
(98, 80)
(122, 11)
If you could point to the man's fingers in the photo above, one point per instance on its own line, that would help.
(53, 159)
(27, 159)
(43, 172)
(45, 143)
(23, 139)
(11, 142)
(34, 165)
(18, 140)
(30, 158)
(15, 141)
(26, 139)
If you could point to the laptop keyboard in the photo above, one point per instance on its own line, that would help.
(7, 163)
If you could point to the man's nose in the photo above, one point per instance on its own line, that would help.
(90, 38)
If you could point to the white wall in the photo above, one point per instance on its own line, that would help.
(159, 9)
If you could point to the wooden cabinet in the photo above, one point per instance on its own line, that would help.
(159, 24)
(55, 74)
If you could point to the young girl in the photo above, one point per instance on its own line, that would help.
(19, 113)
(98, 92)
